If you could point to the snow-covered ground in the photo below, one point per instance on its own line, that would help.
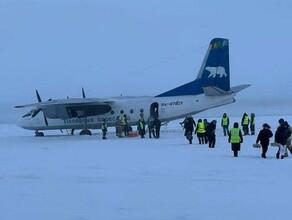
(86, 178)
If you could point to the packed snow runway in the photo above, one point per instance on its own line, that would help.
(86, 178)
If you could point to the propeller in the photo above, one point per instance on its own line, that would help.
(38, 96)
(83, 93)
(39, 109)
(46, 121)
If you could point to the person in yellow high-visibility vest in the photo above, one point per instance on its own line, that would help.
(225, 124)
(125, 124)
(235, 138)
(245, 123)
(104, 128)
(200, 131)
(141, 127)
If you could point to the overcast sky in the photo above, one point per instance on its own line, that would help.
(134, 47)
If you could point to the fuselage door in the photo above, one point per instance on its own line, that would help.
(154, 113)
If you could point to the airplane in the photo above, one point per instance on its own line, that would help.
(210, 89)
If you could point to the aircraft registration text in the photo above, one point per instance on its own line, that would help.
(171, 103)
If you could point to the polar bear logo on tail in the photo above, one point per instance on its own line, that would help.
(220, 70)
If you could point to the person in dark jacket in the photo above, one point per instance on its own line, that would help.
(157, 125)
(235, 138)
(151, 129)
(189, 125)
(205, 121)
(280, 121)
(264, 138)
(210, 132)
(119, 128)
(281, 136)
(252, 124)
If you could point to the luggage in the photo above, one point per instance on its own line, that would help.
(256, 145)
(189, 136)
(275, 144)
(133, 134)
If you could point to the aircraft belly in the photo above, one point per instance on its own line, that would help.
(93, 122)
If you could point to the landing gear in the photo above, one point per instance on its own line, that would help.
(85, 132)
(39, 134)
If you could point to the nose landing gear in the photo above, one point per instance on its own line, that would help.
(39, 134)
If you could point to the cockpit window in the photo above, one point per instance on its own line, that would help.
(29, 113)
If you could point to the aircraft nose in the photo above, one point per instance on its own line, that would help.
(20, 123)
(24, 123)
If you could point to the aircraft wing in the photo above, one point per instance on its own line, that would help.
(70, 108)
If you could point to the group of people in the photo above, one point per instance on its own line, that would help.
(153, 124)
(247, 123)
(121, 124)
(123, 127)
(235, 136)
(282, 139)
(205, 130)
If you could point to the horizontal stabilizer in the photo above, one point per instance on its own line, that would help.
(214, 91)
(238, 88)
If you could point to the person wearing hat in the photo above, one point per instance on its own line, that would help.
(264, 138)
(235, 138)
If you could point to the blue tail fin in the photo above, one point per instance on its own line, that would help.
(213, 72)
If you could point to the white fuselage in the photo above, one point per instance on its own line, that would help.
(169, 108)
